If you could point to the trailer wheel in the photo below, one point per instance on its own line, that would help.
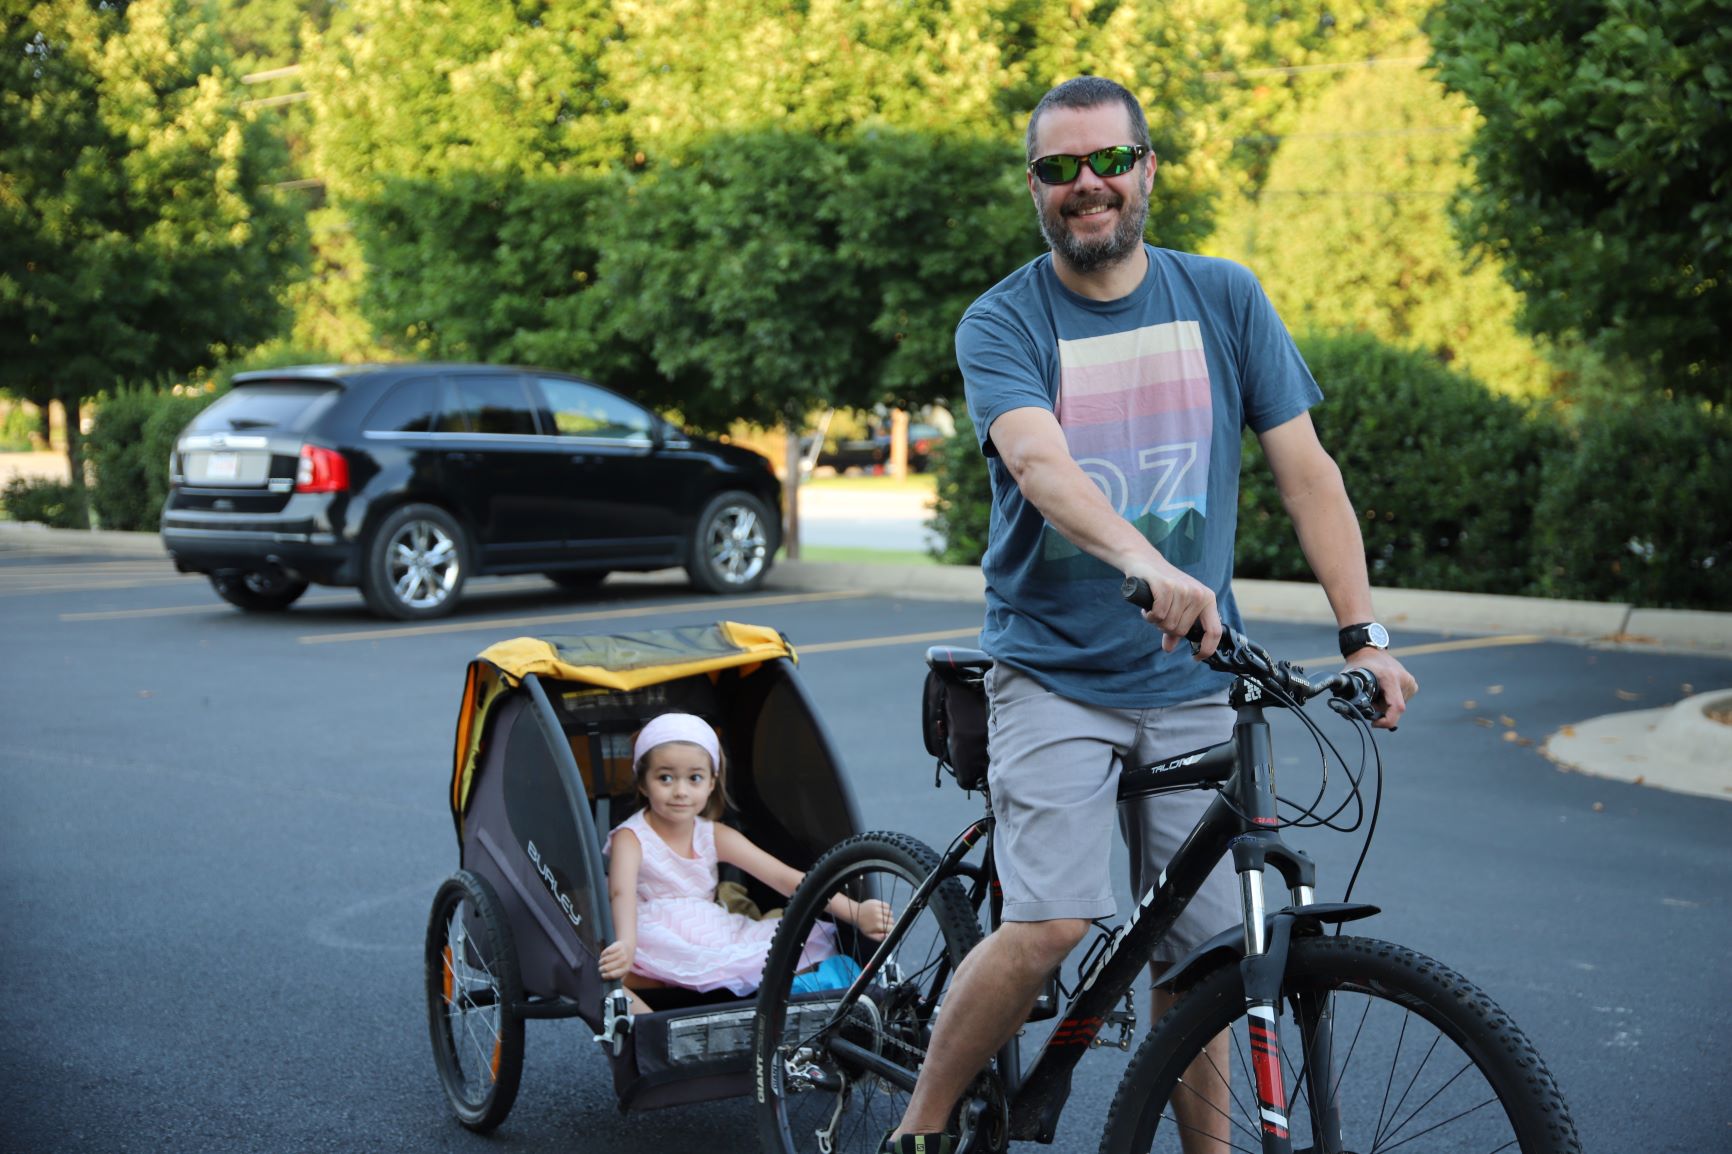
(472, 985)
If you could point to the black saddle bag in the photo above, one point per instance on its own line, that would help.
(953, 712)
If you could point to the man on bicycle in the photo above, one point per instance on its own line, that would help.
(1109, 381)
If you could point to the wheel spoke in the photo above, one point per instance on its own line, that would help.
(1394, 1063)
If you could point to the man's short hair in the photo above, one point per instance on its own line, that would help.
(1090, 92)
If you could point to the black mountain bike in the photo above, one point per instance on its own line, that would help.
(1336, 1044)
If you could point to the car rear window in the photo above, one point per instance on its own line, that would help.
(286, 405)
(408, 408)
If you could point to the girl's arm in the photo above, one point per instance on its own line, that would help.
(617, 957)
(735, 848)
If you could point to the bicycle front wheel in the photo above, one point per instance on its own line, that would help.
(840, 1089)
(1382, 1049)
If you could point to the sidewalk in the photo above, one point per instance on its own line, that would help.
(1680, 748)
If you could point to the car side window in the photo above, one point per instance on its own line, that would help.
(408, 408)
(489, 405)
(581, 410)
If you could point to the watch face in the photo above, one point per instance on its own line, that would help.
(1377, 635)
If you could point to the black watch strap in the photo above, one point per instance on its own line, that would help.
(1368, 635)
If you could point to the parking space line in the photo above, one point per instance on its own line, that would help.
(187, 610)
(353, 597)
(504, 623)
(85, 585)
(901, 639)
(1444, 647)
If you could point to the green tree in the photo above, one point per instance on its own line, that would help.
(458, 163)
(137, 236)
(1351, 229)
(1603, 170)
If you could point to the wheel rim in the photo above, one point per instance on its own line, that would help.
(422, 564)
(737, 544)
(474, 1030)
(820, 1103)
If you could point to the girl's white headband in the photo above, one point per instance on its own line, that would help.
(678, 727)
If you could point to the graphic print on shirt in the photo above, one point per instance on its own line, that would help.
(1137, 412)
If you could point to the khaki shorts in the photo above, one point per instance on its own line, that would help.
(1054, 780)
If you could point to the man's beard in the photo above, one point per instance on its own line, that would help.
(1090, 256)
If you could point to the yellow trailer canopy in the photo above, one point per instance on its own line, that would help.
(620, 661)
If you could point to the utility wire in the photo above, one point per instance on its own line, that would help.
(271, 74)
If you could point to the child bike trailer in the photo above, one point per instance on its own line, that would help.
(542, 773)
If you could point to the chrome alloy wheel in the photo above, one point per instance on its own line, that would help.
(423, 564)
(737, 545)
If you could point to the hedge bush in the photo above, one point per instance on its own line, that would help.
(962, 510)
(1443, 472)
(118, 455)
(1634, 508)
(52, 503)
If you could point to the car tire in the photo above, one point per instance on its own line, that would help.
(733, 544)
(258, 592)
(416, 563)
(577, 581)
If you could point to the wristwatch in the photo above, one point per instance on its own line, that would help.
(1357, 637)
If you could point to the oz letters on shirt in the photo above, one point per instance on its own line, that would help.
(1137, 413)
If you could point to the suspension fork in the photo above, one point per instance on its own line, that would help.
(1265, 960)
(1264, 966)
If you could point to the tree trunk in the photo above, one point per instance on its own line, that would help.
(73, 402)
(791, 487)
(898, 442)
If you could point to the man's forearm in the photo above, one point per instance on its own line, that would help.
(1329, 536)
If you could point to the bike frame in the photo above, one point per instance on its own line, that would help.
(1240, 821)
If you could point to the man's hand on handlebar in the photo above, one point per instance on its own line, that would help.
(1179, 602)
(1394, 683)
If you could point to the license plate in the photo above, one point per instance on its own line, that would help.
(222, 467)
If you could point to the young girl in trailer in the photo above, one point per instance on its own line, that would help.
(669, 929)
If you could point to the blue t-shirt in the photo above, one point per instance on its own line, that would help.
(1152, 391)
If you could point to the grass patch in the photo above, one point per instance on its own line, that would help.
(855, 555)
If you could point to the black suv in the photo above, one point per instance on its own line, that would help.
(407, 479)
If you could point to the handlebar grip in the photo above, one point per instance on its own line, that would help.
(1137, 592)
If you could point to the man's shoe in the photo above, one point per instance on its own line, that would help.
(919, 1144)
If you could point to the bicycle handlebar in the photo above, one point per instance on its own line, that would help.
(1237, 654)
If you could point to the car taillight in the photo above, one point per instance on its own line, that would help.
(321, 470)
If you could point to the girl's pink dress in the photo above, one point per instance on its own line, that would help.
(684, 938)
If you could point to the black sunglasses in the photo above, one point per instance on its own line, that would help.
(1062, 169)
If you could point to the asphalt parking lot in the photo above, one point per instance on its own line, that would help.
(221, 834)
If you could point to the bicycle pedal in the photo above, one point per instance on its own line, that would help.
(1125, 1018)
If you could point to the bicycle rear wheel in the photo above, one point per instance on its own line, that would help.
(810, 1097)
(1403, 1052)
